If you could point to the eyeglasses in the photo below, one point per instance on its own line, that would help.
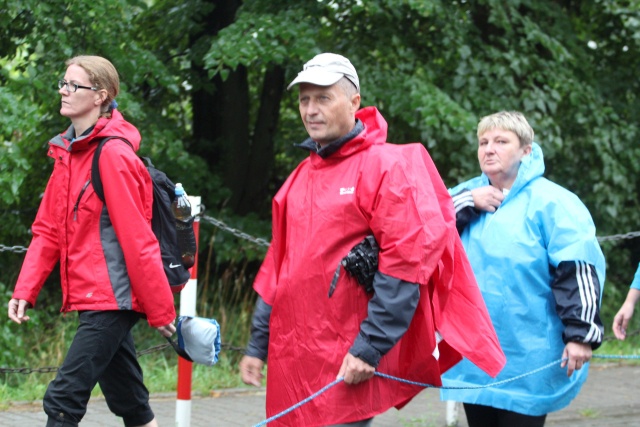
(72, 87)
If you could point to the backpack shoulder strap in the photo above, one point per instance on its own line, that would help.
(96, 180)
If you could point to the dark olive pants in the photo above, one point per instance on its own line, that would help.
(102, 352)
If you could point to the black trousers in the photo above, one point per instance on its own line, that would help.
(488, 416)
(102, 352)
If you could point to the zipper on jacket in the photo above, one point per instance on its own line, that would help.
(75, 208)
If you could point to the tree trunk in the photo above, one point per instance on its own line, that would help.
(232, 137)
(255, 191)
(206, 100)
(221, 123)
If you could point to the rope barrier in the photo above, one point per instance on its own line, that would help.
(615, 356)
(630, 235)
(629, 335)
(48, 369)
(221, 225)
(425, 385)
(16, 249)
(230, 347)
(264, 243)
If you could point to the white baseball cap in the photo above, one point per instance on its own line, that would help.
(326, 69)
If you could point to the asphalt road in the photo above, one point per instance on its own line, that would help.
(610, 398)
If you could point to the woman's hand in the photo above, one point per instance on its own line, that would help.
(487, 198)
(18, 310)
(622, 318)
(167, 330)
(577, 354)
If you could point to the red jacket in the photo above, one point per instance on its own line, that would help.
(108, 260)
(326, 207)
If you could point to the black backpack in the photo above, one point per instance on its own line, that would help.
(163, 222)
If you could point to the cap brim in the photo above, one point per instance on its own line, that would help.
(316, 77)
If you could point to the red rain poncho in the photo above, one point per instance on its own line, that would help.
(327, 206)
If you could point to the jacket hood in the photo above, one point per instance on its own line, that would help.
(374, 133)
(115, 126)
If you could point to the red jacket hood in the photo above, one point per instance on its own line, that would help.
(374, 133)
(115, 126)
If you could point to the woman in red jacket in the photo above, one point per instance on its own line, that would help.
(110, 265)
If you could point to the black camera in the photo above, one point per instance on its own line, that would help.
(362, 262)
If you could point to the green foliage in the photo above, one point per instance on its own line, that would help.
(433, 68)
(260, 39)
(15, 116)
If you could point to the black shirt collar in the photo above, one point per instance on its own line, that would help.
(329, 149)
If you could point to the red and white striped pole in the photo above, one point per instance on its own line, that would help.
(188, 308)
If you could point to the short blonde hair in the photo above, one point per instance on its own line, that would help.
(103, 75)
(513, 121)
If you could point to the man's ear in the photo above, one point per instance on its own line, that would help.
(355, 102)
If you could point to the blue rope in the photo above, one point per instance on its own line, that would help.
(615, 356)
(299, 404)
(424, 385)
(391, 377)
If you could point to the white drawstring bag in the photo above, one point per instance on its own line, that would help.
(198, 339)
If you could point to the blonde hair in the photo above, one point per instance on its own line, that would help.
(103, 75)
(513, 121)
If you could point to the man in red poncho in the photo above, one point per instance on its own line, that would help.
(425, 310)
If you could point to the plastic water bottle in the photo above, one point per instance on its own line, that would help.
(184, 226)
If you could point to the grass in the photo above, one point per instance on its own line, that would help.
(161, 374)
(40, 349)
(589, 413)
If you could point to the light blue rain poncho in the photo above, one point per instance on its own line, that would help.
(539, 224)
(636, 280)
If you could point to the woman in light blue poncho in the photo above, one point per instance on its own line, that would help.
(533, 248)
(622, 318)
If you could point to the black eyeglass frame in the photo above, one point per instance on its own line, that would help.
(62, 83)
